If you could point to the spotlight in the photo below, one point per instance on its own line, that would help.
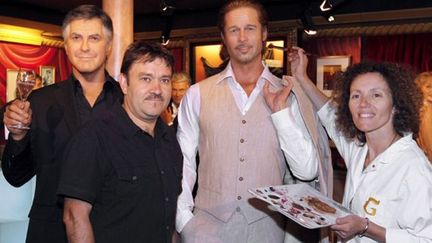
(328, 16)
(164, 40)
(167, 7)
(328, 5)
(166, 30)
(310, 32)
(308, 25)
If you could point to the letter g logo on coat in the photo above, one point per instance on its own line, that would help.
(369, 209)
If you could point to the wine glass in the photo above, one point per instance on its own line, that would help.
(26, 80)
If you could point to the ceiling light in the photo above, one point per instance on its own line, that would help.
(330, 18)
(328, 5)
(166, 30)
(308, 24)
(164, 40)
(167, 7)
(310, 32)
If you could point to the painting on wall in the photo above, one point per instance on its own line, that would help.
(327, 67)
(211, 58)
(48, 75)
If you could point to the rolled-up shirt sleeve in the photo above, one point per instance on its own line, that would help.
(187, 136)
(295, 142)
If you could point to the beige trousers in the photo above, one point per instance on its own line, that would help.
(204, 227)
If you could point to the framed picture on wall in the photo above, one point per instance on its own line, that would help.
(48, 75)
(207, 59)
(327, 67)
(274, 56)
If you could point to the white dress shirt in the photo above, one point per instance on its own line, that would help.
(394, 191)
(292, 134)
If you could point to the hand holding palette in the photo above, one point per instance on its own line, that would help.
(303, 204)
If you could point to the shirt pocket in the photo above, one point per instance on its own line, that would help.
(131, 181)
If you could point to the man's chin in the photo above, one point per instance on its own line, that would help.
(87, 69)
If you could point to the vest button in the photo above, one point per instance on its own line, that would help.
(239, 197)
(242, 140)
(238, 209)
(240, 178)
(242, 159)
(244, 121)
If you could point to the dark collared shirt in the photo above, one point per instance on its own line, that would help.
(54, 120)
(131, 178)
(86, 112)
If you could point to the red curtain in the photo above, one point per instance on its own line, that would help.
(14, 56)
(414, 50)
(338, 46)
(178, 57)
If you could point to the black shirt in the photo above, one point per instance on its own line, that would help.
(54, 120)
(85, 112)
(131, 178)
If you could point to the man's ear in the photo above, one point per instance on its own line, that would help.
(264, 34)
(123, 82)
(222, 37)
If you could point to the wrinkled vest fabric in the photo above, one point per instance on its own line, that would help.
(237, 152)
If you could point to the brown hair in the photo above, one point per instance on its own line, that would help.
(234, 4)
(406, 97)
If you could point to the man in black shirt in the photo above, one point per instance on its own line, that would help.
(121, 174)
(55, 113)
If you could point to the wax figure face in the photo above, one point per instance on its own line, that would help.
(371, 103)
(147, 89)
(87, 45)
(243, 35)
(178, 91)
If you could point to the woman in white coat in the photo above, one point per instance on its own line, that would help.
(372, 120)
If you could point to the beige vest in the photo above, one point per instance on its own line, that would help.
(236, 153)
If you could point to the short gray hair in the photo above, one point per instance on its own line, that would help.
(87, 12)
(181, 77)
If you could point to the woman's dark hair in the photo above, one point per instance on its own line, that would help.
(141, 51)
(406, 97)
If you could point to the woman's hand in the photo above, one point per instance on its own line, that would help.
(349, 226)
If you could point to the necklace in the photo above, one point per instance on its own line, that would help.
(368, 160)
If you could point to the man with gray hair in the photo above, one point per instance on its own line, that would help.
(180, 83)
(56, 112)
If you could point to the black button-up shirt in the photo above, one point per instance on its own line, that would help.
(85, 112)
(131, 178)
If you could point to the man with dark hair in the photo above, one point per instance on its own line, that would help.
(54, 113)
(122, 172)
(244, 123)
